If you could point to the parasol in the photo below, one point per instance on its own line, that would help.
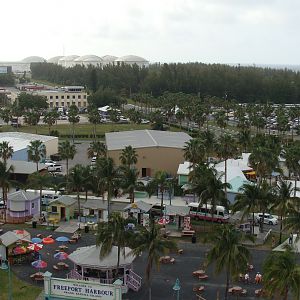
(61, 255)
(36, 240)
(48, 240)
(35, 247)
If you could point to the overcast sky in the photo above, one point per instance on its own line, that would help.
(226, 31)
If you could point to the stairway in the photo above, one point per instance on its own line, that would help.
(133, 281)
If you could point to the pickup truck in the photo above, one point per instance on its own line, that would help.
(54, 168)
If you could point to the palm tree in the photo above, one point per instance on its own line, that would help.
(292, 221)
(5, 182)
(76, 182)
(113, 233)
(282, 275)
(292, 156)
(67, 151)
(97, 149)
(73, 118)
(180, 117)
(283, 192)
(161, 180)
(50, 118)
(228, 253)
(208, 139)
(128, 156)
(194, 151)
(94, 118)
(226, 148)
(6, 151)
(107, 177)
(129, 181)
(244, 138)
(155, 245)
(36, 152)
(247, 201)
(39, 181)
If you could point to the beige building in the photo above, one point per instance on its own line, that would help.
(157, 150)
(65, 97)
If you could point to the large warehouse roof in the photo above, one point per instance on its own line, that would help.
(33, 59)
(145, 138)
(20, 140)
(131, 58)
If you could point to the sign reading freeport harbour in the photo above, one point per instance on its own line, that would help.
(79, 289)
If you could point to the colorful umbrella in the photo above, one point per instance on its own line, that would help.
(61, 255)
(19, 231)
(163, 221)
(39, 264)
(19, 250)
(48, 240)
(36, 240)
(35, 247)
(62, 239)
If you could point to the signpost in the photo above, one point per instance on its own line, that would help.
(58, 288)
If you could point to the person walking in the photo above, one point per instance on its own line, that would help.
(291, 238)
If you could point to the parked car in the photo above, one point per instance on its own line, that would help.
(49, 162)
(245, 227)
(54, 168)
(268, 218)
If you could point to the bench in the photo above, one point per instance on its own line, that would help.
(187, 232)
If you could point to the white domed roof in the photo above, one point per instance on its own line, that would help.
(87, 58)
(32, 59)
(54, 60)
(69, 58)
(109, 58)
(131, 58)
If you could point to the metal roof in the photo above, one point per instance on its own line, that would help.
(139, 205)
(66, 200)
(11, 237)
(145, 138)
(90, 256)
(23, 196)
(24, 167)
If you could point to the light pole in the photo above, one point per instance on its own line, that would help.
(176, 288)
(6, 267)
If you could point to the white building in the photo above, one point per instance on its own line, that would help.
(133, 60)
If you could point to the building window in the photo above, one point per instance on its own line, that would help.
(56, 97)
(84, 96)
(68, 97)
(68, 104)
(79, 104)
(56, 104)
(32, 205)
(79, 96)
(63, 104)
(54, 209)
(51, 97)
(51, 104)
(73, 96)
(62, 97)
(84, 104)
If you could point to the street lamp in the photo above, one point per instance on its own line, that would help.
(6, 267)
(176, 288)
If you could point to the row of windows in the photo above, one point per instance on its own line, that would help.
(68, 97)
(62, 104)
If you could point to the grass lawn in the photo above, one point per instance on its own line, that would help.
(79, 128)
(21, 290)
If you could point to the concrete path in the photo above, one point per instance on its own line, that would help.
(295, 245)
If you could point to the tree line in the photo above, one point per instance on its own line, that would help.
(245, 84)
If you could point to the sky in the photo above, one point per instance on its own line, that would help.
(210, 31)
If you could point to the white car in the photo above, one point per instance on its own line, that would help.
(54, 168)
(49, 162)
(268, 218)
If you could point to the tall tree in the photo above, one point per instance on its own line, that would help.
(113, 233)
(94, 118)
(161, 182)
(50, 118)
(67, 151)
(32, 118)
(226, 148)
(6, 151)
(73, 118)
(194, 151)
(5, 182)
(150, 241)
(128, 156)
(36, 152)
(96, 148)
(282, 275)
(228, 253)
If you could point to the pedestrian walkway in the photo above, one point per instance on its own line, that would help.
(295, 244)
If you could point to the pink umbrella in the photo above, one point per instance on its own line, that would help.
(39, 264)
(61, 255)
(163, 221)
(35, 247)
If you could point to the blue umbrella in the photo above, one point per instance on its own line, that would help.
(62, 239)
(36, 240)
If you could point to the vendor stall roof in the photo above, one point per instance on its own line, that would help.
(140, 205)
(172, 210)
(90, 257)
(11, 237)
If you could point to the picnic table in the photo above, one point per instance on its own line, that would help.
(39, 276)
(198, 272)
(63, 247)
(62, 265)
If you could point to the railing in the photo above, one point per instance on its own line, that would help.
(267, 235)
(75, 275)
(133, 280)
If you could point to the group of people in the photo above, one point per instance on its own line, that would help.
(247, 279)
